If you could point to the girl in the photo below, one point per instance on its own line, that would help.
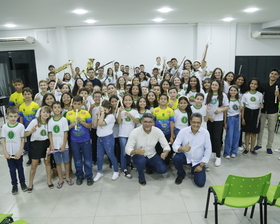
(142, 108)
(193, 89)
(143, 79)
(164, 86)
(39, 144)
(218, 75)
(198, 71)
(152, 82)
(167, 76)
(66, 103)
(252, 102)
(198, 107)
(67, 79)
(88, 84)
(43, 85)
(79, 83)
(206, 84)
(182, 115)
(232, 124)
(188, 65)
(110, 77)
(178, 84)
(48, 99)
(136, 81)
(229, 78)
(104, 91)
(58, 134)
(104, 121)
(127, 118)
(121, 85)
(151, 101)
(136, 92)
(63, 89)
(185, 79)
(218, 103)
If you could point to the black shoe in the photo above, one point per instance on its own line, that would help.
(245, 152)
(142, 182)
(29, 190)
(79, 181)
(179, 180)
(15, 189)
(39, 163)
(89, 181)
(28, 162)
(23, 186)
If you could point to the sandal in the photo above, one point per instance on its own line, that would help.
(70, 182)
(51, 186)
(59, 185)
(29, 190)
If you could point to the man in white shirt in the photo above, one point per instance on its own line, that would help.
(141, 146)
(192, 146)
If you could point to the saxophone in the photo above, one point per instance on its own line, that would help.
(62, 67)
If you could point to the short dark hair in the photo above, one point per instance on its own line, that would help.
(196, 115)
(12, 110)
(50, 73)
(55, 102)
(77, 99)
(155, 69)
(125, 73)
(97, 92)
(83, 89)
(91, 69)
(51, 66)
(18, 81)
(275, 70)
(173, 59)
(27, 89)
(199, 94)
(147, 115)
(142, 65)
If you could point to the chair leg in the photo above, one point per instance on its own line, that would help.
(265, 211)
(207, 203)
(216, 212)
(252, 211)
(261, 213)
(245, 211)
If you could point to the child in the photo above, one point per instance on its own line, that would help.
(232, 124)
(142, 108)
(143, 79)
(110, 77)
(79, 83)
(182, 115)
(127, 118)
(206, 84)
(218, 74)
(88, 84)
(83, 92)
(80, 124)
(39, 143)
(158, 64)
(145, 91)
(121, 85)
(48, 99)
(185, 79)
(178, 84)
(252, 102)
(151, 101)
(127, 89)
(136, 81)
(198, 107)
(16, 99)
(164, 119)
(157, 91)
(104, 91)
(229, 78)
(66, 103)
(43, 85)
(27, 112)
(58, 135)
(173, 101)
(104, 121)
(12, 144)
(193, 88)
(68, 80)
(64, 88)
(218, 103)
(152, 82)
(136, 92)
(164, 86)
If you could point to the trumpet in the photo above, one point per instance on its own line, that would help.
(62, 67)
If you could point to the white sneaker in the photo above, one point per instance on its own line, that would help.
(241, 148)
(98, 176)
(233, 156)
(207, 168)
(279, 158)
(115, 175)
(218, 161)
(227, 157)
(276, 150)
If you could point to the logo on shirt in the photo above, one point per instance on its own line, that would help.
(235, 107)
(184, 120)
(83, 112)
(214, 101)
(43, 133)
(127, 119)
(157, 111)
(56, 129)
(253, 99)
(11, 134)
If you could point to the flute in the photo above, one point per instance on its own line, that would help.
(276, 89)
(76, 126)
(54, 151)
(100, 106)
(11, 157)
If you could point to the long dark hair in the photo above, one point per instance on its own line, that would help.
(45, 97)
(237, 95)
(161, 83)
(188, 108)
(155, 102)
(258, 81)
(61, 100)
(197, 85)
(138, 102)
(220, 93)
(76, 88)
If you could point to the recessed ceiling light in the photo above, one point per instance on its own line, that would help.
(251, 10)
(10, 25)
(228, 19)
(158, 19)
(80, 11)
(90, 21)
(165, 9)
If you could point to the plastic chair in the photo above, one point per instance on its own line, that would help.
(20, 221)
(6, 218)
(239, 192)
(272, 198)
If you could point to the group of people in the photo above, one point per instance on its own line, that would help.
(177, 113)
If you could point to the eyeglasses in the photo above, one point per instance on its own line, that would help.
(66, 98)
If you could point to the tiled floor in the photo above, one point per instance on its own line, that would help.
(125, 201)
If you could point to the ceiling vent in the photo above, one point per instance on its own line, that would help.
(17, 40)
(266, 34)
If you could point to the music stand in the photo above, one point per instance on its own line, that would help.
(4, 100)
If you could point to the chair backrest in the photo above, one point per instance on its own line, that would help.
(276, 194)
(237, 186)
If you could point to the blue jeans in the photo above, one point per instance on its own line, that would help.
(82, 153)
(199, 177)
(27, 146)
(155, 164)
(16, 165)
(232, 136)
(176, 131)
(125, 159)
(106, 144)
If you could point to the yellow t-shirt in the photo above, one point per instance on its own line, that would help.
(16, 99)
(173, 104)
(163, 119)
(28, 112)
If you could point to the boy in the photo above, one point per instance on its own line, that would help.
(158, 64)
(16, 99)
(87, 101)
(43, 85)
(145, 91)
(173, 101)
(157, 91)
(12, 144)
(80, 124)
(198, 107)
(27, 112)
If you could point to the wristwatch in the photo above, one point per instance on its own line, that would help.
(201, 165)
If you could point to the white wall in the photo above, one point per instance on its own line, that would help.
(134, 45)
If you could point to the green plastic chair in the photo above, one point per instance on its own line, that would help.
(272, 198)
(6, 218)
(20, 221)
(239, 192)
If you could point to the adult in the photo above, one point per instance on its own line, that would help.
(141, 146)
(270, 109)
(142, 69)
(192, 146)
(91, 77)
(117, 72)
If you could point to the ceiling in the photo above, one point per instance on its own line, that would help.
(29, 14)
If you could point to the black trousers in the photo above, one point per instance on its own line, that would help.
(215, 129)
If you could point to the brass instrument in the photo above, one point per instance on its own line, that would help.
(62, 67)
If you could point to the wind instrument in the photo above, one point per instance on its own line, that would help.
(54, 151)
(11, 157)
(89, 65)
(106, 64)
(62, 67)
(276, 89)
(259, 115)
(179, 66)
(76, 126)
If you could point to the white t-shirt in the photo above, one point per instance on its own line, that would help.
(185, 87)
(106, 130)
(93, 114)
(70, 83)
(203, 111)
(40, 98)
(214, 105)
(13, 136)
(159, 67)
(226, 87)
(180, 119)
(110, 80)
(252, 100)
(41, 133)
(127, 124)
(234, 108)
(38, 112)
(58, 128)
(144, 83)
(191, 94)
(141, 115)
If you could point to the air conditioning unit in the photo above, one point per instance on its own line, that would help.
(17, 40)
(266, 34)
